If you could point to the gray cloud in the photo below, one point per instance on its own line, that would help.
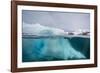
(68, 21)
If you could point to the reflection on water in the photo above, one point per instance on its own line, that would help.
(55, 48)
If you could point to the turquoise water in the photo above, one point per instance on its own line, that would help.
(55, 48)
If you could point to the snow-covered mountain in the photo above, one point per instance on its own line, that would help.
(38, 29)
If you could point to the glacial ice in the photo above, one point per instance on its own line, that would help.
(47, 49)
(37, 29)
(52, 48)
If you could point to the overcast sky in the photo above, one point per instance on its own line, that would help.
(68, 21)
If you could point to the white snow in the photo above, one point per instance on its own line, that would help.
(36, 29)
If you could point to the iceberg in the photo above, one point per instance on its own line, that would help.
(52, 48)
(58, 48)
(38, 29)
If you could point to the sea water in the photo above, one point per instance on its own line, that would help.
(55, 48)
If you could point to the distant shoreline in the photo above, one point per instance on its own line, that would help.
(55, 36)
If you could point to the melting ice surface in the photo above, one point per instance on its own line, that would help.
(51, 47)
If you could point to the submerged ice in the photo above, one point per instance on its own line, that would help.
(58, 48)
